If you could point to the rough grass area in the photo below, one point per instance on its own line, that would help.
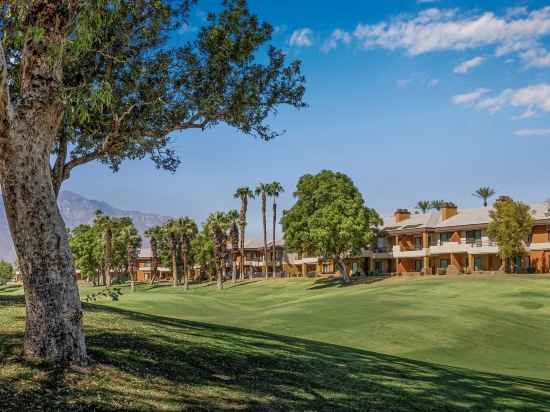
(456, 343)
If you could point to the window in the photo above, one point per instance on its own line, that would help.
(444, 263)
(549, 235)
(418, 243)
(379, 267)
(299, 255)
(418, 265)
(354, 267)
(326, 268)
(444, 237)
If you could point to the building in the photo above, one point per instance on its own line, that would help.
(453, 240)
(254, 257)
(145, 260)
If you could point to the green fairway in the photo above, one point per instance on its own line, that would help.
(448, 343)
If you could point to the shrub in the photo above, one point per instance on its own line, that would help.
(441, 271)
(6, 272)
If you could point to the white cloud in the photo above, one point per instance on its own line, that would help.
(538, 57)
(433, 82)
(302, 38)
(532, 132)
(437, 30)
(337, 36)
(471, 97)
(531, 99)
(466, 66)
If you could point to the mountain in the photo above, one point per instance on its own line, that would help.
(77, 210)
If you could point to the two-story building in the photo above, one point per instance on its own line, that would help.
(455, 240)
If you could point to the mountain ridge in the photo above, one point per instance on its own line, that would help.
(76, 210)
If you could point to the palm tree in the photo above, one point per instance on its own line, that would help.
(155, 235)
(187, 231)
(106, 225)
(484, 192)
(262, 191)
(436, 204)
(171, 233)
(275, 189)
(133, 243)
(216, 226)
(233, 216)
(423, 206)
(243, 193)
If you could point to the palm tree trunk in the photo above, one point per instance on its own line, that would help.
(154, 261)
(234, 268)
(108, 255)
(174, 263)
(274, 253)
(264, 223)
(241, 257)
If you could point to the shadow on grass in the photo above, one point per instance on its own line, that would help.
(333, 281)
(145, 361)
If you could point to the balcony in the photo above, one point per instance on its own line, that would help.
(398, 252)
(471, 246)
(539, 246)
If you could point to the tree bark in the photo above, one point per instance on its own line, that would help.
(154, 261)
(185, 262)
(342, 268)
(53, 310)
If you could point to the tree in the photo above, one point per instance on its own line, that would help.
(262, 191)
(132, 240)
(216, 227)
(243, 194)
(155, 235)
(187, 229)
(423, 206)
(202, 253)
(436, 204)
(105, 225)
(510, 226)
(103, 81)
(171, 234)
(275, 189)
(484, 192)
(6, 272)
(87, 247)
(329, 219)
(233, 216)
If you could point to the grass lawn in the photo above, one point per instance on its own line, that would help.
(427, 343)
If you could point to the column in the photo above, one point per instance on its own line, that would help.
(304, 270)
(426, 245)
(471, 263)
(371, 265)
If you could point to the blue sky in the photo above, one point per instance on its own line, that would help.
(413, 100)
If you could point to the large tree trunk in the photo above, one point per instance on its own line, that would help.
(28, 133)
(342, 268)
(54, 315)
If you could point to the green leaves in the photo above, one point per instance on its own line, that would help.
(329, 218)
(510, 226)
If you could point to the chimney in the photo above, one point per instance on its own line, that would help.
(448, 210)
(401, 214)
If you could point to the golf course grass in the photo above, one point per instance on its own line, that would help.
(427, 343)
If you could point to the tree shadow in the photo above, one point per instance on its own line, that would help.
(336, 282)
(180, 364)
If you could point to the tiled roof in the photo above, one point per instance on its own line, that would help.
(464, 217)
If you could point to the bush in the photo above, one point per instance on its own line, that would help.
(441, 271)
(6, 272)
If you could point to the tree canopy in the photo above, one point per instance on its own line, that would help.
(6, 272)
(329, 218)
(128, 84)
(510, 226)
